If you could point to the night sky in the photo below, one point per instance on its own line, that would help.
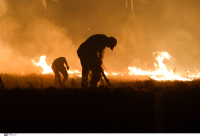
(28, 31)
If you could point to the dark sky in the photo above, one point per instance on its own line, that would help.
(28, 31)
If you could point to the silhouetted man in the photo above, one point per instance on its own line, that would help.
(58, 67)
(91, 54)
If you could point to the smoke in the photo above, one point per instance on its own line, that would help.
(170, 26)
(28, 31)
(24, 38)
(3, 8)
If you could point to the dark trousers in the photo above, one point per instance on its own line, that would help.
(87, 65)
(57, 71)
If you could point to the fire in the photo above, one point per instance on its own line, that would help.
(43, 64)
(47, 69)
(161, 73)
(114, 74)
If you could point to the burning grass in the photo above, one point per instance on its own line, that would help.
(136, 103)
(136, 82)
(160, 74)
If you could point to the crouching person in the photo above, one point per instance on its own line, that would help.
(58, 67)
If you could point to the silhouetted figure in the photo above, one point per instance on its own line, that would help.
(58, 67)
(91, 54)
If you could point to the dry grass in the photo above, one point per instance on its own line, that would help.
(40, 81)
(35, 106)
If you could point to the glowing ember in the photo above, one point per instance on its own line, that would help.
(161, 72)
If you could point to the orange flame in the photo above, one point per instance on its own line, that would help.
(47, 69)
(43, 64)
(161, 72)
(114, 74)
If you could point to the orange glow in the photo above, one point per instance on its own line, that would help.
(161, 73)
(43, 64)
(47, 69)
(113, 74)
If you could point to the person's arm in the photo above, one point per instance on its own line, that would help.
(66, 64)
(100, 56)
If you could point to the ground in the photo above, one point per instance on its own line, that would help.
(103, 110)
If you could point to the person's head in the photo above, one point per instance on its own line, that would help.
(112, 42)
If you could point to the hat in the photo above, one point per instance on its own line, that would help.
(113, 42)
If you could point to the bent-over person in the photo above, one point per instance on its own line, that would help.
(58, 67)
(91, 54)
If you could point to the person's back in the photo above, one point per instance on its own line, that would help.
(59, 62)
(95, 43)
(58, 67)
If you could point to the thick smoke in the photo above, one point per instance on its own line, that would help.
(3, 8)
(28, 31)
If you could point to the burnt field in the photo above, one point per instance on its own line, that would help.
(138, 106)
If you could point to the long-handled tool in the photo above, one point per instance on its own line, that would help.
(105, 78)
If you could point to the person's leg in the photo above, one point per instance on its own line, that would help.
(63, 71)
(56, 72)
(58, 78)
(96, 75)
(85, 72)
